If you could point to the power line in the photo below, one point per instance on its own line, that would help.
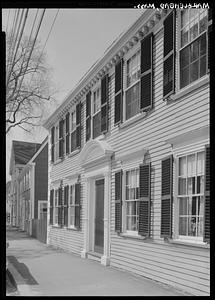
(21, 33)
(48, 36)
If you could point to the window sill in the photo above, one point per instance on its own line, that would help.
(137, 237)
(132, 120)
(73, 229)
(189, 89)
(57, 161)
(190, 244)
(74, 152)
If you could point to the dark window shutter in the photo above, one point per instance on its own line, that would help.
(209, 44)
(144, 199)
(118, 201)
(78, 125)
(52, 143)
(67, 132)
(206, 235)
(61, 139)
(169, 55)
(66, 194)
(73, 140)
(77, 204)
(118, 108)
(118, 112)
(146, 94)
(88, 116)
(166, 196)
(104, 103)
(51, 207)
(118, 76)
(60, 210)
(146, 53)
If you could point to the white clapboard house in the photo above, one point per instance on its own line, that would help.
(129, 154)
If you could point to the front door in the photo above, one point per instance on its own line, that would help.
(99, 216)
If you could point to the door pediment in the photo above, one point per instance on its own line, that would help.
(95, 151)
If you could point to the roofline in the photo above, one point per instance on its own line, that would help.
(27, 166)
(98, 65)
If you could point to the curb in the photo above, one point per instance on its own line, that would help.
(23, 289)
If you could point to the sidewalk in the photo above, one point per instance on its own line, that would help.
(41, 270)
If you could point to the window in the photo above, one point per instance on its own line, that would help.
(132, 200)
(73, 130)
(97, 112)
(74, 206)
(56, 207)
(56, 156)
(71, 210)
(193, 50)
(191, 169)
(133, 86)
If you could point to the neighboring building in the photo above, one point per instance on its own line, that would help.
(33, 187)
(21, 153)
(8, 201)
(129, 154)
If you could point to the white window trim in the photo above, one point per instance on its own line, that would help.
(178, 152)
(126, 232)
(126, 88)
(101, 135)
(195, 84)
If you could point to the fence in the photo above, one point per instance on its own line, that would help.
(39, 229)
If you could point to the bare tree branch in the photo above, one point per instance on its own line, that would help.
(29, 85)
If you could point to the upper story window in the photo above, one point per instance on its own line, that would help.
(133, 86)
(193, 45)
(73, 130)
(191, 177)
(97, 112)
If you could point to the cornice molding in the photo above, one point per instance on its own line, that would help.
(120, 46)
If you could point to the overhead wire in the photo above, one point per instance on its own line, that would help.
(53, 22)
(17, 46)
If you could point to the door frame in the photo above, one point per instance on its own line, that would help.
(89, 223)
(101, 178)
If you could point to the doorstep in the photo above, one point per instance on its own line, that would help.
(94, 256)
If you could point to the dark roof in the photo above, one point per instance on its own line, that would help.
(24, 151)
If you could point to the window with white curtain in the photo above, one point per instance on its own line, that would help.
(191, 169)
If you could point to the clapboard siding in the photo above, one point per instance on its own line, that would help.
(184, 267)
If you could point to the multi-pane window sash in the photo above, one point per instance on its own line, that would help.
(55, 221)
(76, 128)
(53, 144)
(97, 112)
(61, 138)
(88, 116)
(132, 200)
(67, 132)
(191, 178)
(133, 86)
(194, 48)
(74, 206)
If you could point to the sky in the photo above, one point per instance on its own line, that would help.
(78, 38)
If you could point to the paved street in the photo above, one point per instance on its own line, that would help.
(39, 269)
